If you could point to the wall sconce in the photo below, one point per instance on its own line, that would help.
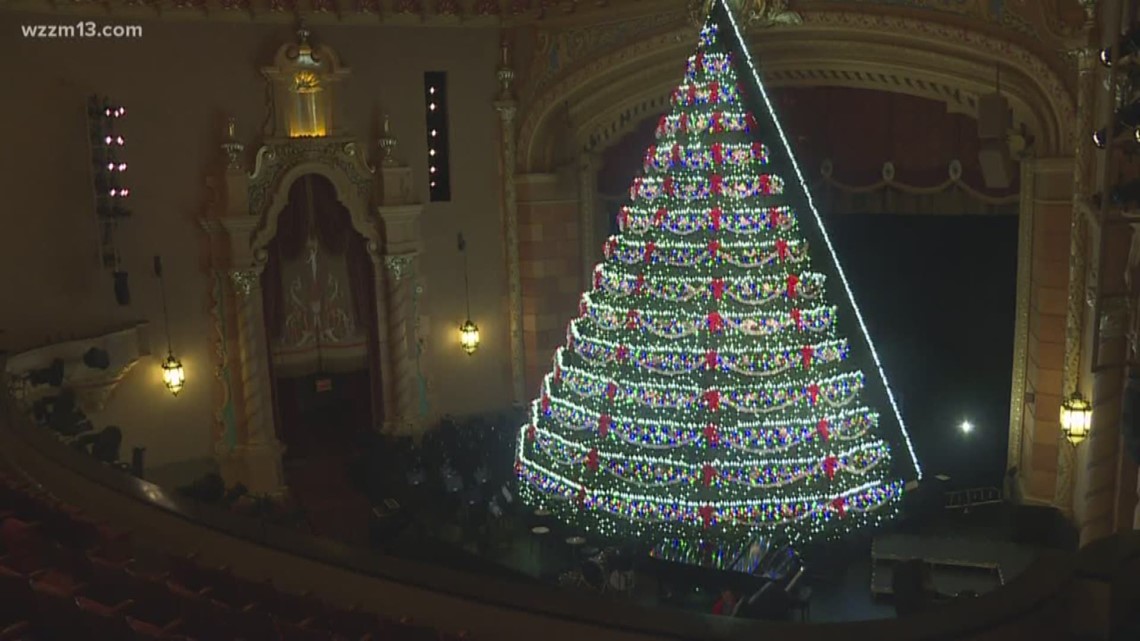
(1076, 418)
(468, 331)
(173, 375)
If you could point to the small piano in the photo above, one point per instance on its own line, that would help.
(744, 568)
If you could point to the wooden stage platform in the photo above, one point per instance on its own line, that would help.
(957, 564)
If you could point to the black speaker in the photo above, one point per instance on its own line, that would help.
(122, 288)
(1130, 419)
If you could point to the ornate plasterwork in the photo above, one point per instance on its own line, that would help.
(280, 162)
(244, 280)
(884, 52)
(399, 265)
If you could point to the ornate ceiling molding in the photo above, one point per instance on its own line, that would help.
(886, 53)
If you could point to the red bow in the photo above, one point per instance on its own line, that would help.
(718, 153)
(650, 246)
(683, 123)
(557, 371)
(622, 353)
(805, 355)
(583, 307)
(840, 506)
(750, 120)
(545, 402)
(676, 94)
(716, 183)
(640, 284)
(823, 429)
(782, 248)
(692, 94)
(765, 184)
(667, 185)
(623, 219)
(714, 91)
(712, 399)
(633, 319)
(706, 513)
(592, 459)
(712, 437)
(699, 61)
(775, 218)
(610, 247)
(707, 474)
(518, 467)
(659, 217)
(531, 433)
(714, 248)
(797, 318)
(598, 277)
(711, 359)
(717, 122)
(813, 392)
(829, 466)
(611, 390)
(714, 218)
(661, 124)
(580, 499)
(604, 425)
(676, 153)
(758, 151)
(715, 321)
(717, 288)
(793, 280)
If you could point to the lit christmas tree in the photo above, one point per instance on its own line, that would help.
(708, 391)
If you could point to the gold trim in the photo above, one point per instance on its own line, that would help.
(1021, 319)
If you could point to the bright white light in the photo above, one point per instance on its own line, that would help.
(431, 169)
(431, 152)
(966, 427)
(826, 238)
(433, 133)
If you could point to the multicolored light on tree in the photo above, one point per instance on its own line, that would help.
(704, 390)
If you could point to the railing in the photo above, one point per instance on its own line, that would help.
(487, 607)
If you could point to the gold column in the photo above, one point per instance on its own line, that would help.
(258, 453)
(1021, 324)
(587, 211)
(507, 109)
(1075, 312)
(401, 274)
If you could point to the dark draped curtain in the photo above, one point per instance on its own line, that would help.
(313, 206)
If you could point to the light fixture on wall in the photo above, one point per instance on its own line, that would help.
(173, 375)
(468, 331)
(1076, 418)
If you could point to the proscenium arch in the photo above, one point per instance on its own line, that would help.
(609, 96)
(346, 192)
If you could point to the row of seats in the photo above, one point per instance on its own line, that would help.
(64, 575)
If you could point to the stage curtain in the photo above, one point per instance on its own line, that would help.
(362, 283)
(292, 232)
(337, 236)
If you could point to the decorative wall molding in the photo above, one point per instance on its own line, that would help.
(399, 265)
(831, 48)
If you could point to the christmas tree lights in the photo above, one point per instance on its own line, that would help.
(705, 391)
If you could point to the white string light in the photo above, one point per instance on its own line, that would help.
(823, 232)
